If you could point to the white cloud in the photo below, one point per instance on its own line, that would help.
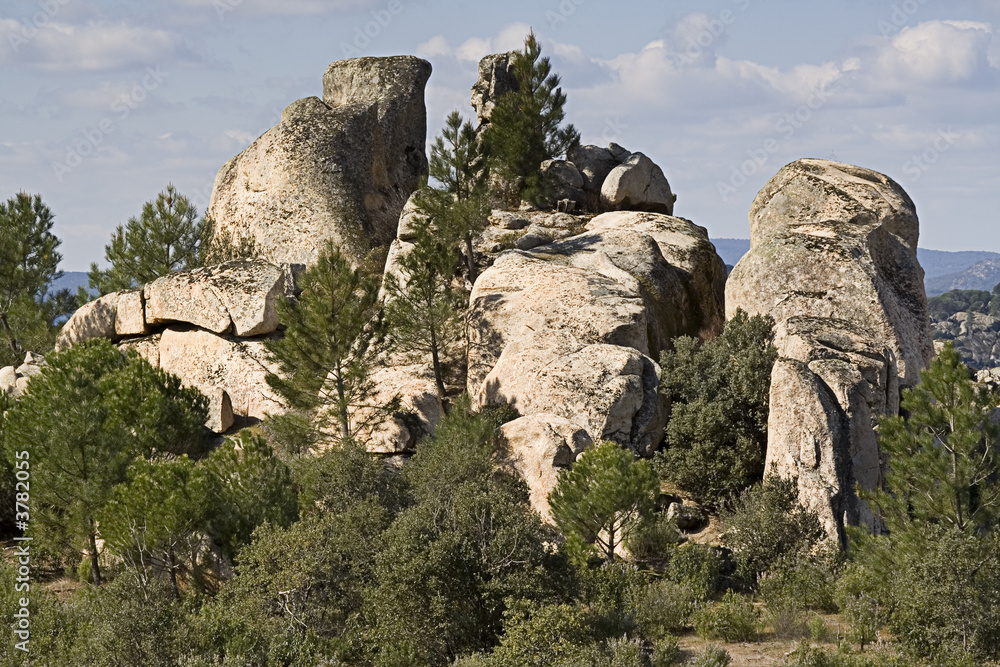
(60, 47)
(936, 53)
(225, 8)
(510, 38)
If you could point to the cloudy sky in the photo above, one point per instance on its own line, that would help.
(104, 102)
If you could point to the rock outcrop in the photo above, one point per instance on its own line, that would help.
(571, 328)
(637, 184)
(337, 169)
(14, 381)
(496, 77)
(207, 326)
(541, 445)
(833, 260)
(976, 337)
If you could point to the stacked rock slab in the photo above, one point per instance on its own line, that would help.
(337, 169)
(833, 261)
(207, 326)
(571, 328)
(14, 380)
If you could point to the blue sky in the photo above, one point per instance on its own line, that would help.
(104, 102)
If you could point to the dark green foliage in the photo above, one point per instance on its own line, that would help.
(606, 495)
(717, 432)
(329, 347)
(341, 477)
(470, 542)
(769, 525)
(963, 301)
(28, 264)
(425, 307)
(944, 462)
(84, 419)
(460, 206)
(654, 540)
(165, 238)
(663, 607)
(543, 635)
(712, 656)
(698, 568)
(808, 656)
(524, 127)
(733, 619)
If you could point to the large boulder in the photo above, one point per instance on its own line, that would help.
(95, 319)
(637, 184)
(419, 413)
(540, 445)
(8, 379)
(546, 337)
(337, 169)
(208, 361)
(594, 164)
(833, 260)
(237, 296)
(669, 261)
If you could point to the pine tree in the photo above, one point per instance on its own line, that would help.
(944, 466)
(459, 207)
(165, 238)
(604, 497)
(333, 336)
(424, 307)
(524, 128)
(83, 420)
(28, 265)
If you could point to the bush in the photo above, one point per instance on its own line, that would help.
(734, 619)
(665, 652)
(712, 656)
(865, 602)
(808, 656)
(803, 582)
(698, 568)
(787, 622)
(817, 629)
(717, 434)
(655, 539)
(770, 525)
(663, 607)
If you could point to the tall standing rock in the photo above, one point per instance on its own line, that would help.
(337, 169)
(833, 259)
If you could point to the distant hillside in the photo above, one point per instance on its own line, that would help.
(943, 270)
(982, 275)
(70, 280)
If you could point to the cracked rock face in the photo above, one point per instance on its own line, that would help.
(335, 169)
(833, 260)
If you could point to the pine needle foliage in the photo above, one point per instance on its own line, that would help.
(524, 128)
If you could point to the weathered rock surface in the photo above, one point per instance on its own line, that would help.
(130, 316)
(976, 337)
(594, 164)
(565, 178)
(541, 445)
(546, 337)
(637, 184)
(338, 169)
(668, 261)
(237, 296)
(420, 409)
(496, 77)
(220, 409)
(208, 361)
(833, 260)
(8, 378)
(95, 319)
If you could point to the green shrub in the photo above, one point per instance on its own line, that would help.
(663, 607)
(655, 539)
(665, 652)
(787, 622)
(808, 656)
(698, 568)
(817, 629)
(712, 656)
(734, 619)
(626, 653)
(865, 602)
(802, 582)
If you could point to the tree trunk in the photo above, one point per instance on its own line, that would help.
(345, 420)
(95, 566)
(470, 258)
(435, 358)
(15, 346)
(173, 573)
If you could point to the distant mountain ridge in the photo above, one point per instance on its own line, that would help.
(943, 270)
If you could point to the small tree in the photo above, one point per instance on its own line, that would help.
(604, 496)
(165, 238)
(459, 207)
(84, 419)
(424, 307)
(943, 460)
(524, 128)
(28, 265)
(333, 335)
(717, 434)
